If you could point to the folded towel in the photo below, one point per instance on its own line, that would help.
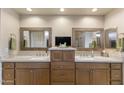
(13, 44)
(25, 43)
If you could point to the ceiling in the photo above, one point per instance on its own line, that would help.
(68, 11)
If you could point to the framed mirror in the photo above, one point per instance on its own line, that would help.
(111, 37)
(35, 38)
(88, 38)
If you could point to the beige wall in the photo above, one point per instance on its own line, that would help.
(115, 19)
(62, 25)
(9, 24)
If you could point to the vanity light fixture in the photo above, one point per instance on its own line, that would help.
(29, 9)
(61, 9)
(94, 9)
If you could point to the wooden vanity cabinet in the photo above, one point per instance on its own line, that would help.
(100, 73)
(63, 67)
(8, 74)
(92, 73)
(116, 74)
(63, 73)
(62, 56)
(32, 73)
(83, 74)
(56, 55)
(67, 73)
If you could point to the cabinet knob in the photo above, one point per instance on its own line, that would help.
(31, 71)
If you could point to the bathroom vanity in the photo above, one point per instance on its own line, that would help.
(62, 67)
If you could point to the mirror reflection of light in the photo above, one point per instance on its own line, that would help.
(112, 35)
(97, 34)
(46, 33)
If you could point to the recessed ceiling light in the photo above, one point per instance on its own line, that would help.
(94, 9)
(62, 9)
(29, 9)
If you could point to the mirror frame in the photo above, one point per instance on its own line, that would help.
(35, 29)
(88, 30)
(110, 30)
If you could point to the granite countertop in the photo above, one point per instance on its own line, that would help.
(62, 48)
(77, 59)
(99, 59)
(26, 59)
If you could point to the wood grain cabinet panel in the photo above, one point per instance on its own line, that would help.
(92, 73)
(62, 65)
(8, 65)
(116, 83)
(56, 56)
(23, 77)
(116, 66)
(62, 56)
(31, 65)
(100, 77)
(8, 77)
(116, 74)
(83, 77)
(32, 73)
(68, 56)
(82, 73)
(62, 73)
(40, 77)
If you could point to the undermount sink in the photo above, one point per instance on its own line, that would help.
(91, 58)
(31, 57)
(39, 58)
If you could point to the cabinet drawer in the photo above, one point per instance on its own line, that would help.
(8, 65)
(68, 56)
(99, 66)
(62, 65)
(62, 75)
(8, 76)
(56, 55)
(82, 65)
(116, 83)
(116, 75)
(32, 65)
(116, 66)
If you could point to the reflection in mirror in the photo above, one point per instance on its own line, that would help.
(35, 38)
(87, 39)
(111, 38)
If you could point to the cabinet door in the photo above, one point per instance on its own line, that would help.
(82, 76)
(56, 56)
(68, 56)
(8, 76)
(100, 77)
(23, 76)
(40, 77)
(63, 76)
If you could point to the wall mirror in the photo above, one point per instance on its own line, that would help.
(35, 38)
(88, 38)
(111, 37)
